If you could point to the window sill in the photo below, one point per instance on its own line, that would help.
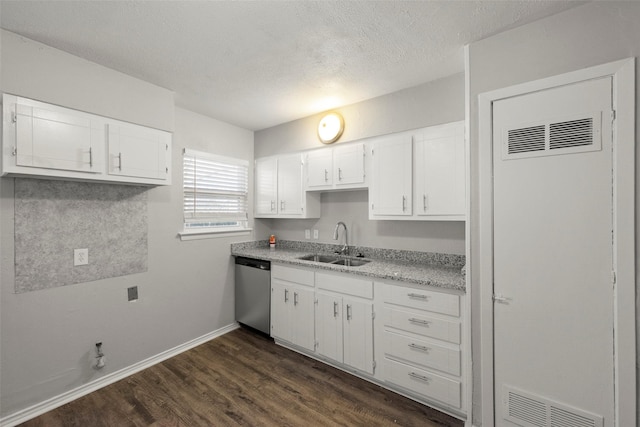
(213, 234)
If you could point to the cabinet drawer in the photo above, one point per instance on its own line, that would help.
(345, 285)
(423, 353)
(423, 382)
(422, 324)
(423, 299)
(290, 274)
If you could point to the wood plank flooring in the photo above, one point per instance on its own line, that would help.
(245, 379)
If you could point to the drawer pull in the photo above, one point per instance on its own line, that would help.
(286, 295)
(419, 321)
(420, 377)
(420, 296)
(419, 347)
(349, 315)
(295, 298)
(335, 309)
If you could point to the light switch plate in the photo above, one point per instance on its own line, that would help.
(307, 234)
(315, 234)
(80, 257)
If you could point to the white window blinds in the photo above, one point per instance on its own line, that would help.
(215, 190)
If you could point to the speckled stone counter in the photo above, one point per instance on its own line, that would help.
(422, 268)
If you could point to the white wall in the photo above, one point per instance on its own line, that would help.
(47, 337)
(588, 35)
(437, 102)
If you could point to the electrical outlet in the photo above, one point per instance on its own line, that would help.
(315, 234)
(307, 234)
(80, 257)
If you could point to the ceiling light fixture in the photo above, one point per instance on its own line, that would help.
(330, 128)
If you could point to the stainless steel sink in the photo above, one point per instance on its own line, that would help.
(336, 260)
(320, 258)
(351, 262)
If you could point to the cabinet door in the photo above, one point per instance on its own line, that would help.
(138, 151)
(290, 185)
(280, 311)
(358, 334)
(58, 138)
(302, 320)
(320, 169)
(391, 190)
(266, 171)
(440, 171)
(349, 164)
(329, 322)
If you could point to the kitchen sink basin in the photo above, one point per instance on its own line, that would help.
(335, 259)
(351, 262)
(320, 258)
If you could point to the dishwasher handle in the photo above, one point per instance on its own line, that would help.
(253, 263)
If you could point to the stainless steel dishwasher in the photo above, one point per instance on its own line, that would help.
(253, 293)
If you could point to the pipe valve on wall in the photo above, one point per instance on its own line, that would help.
(100, 358)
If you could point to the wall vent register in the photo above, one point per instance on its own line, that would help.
(529, 410)
(577, 134)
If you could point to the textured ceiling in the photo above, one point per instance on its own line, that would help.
(257, 64)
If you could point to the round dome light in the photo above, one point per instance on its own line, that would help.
(330, 128)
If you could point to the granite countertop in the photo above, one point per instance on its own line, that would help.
(423, 268)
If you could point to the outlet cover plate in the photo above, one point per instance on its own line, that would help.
(80, 257)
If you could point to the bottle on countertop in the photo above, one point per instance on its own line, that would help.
(272, 241)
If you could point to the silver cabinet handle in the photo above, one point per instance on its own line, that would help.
(91, 157)
(273, 205)
(286, 295)
(420, 377)
(424, 202)
(295, 298)
(420, 296)
(339, 174)
(419, 321)
(326, 175)
(335, 309)
(404, 203)
(419, 347)
(349, 312)
(282, 202)
(120, 161)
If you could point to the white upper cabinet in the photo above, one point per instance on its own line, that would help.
(266, 171)
(390, 193)
(50, 137)
(419, 175)
(290, 191)
(44, 140)
(320, 169)
(340, 167)
(279, 189)
(136, 151)
(349, 166)
(440, 172)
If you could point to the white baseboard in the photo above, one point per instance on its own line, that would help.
(55, 402)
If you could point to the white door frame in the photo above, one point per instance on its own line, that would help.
(623, 74)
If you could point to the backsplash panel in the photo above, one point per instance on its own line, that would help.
(52, 218)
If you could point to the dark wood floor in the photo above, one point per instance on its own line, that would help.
(242, 378)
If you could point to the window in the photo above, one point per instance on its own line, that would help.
(215, 194)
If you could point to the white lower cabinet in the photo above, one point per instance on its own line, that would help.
(406, 338)
(345, 330)
(292, 306)
(422, 344)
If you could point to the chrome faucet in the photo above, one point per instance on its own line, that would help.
(345, 248)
